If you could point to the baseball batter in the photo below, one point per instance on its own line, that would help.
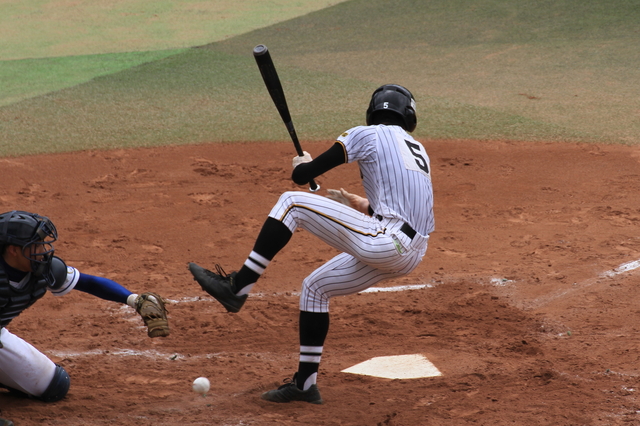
(28, 269)
(381, 236)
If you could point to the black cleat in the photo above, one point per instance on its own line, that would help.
(290, 392)
(221, 286)
(5, 422)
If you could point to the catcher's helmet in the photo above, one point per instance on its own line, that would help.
(394, 98)
(24, 229)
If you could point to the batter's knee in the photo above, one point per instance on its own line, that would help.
(283, 211)
(287, 198)
(58, 387)
(313, 301)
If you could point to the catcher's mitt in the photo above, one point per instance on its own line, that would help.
(151, 308)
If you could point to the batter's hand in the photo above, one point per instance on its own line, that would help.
(352, 200)
(305, 158)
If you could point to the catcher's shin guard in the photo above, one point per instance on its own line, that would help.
(58, 387)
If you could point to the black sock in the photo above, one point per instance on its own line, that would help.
(313, 331)
(272, 238)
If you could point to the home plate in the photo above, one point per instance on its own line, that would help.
(396, 367)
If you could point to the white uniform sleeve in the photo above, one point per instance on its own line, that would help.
(357, 143)
(73, 275)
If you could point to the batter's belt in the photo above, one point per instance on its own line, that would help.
(406, 228)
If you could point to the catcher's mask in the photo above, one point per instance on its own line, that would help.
(395, 98)
(35, 234)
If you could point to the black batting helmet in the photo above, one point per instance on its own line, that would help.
(24, 229)
(394, 98)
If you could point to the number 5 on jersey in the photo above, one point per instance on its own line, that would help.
(415, 157)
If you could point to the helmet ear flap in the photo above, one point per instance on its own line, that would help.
(410, 119)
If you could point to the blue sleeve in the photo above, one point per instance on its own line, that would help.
(103, 288)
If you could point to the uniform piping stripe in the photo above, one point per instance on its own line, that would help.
(346, 156)
(292, 206)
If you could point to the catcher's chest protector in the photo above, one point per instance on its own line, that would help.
(13, 301)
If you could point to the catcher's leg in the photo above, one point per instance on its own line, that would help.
(25, 369)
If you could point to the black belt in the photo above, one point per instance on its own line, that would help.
(406, 228)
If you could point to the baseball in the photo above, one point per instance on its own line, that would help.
(201, 385)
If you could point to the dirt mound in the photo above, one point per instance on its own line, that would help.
(525, 307)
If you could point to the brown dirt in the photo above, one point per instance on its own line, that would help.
(518, 316)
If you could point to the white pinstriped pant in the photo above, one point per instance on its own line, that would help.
(373, 250)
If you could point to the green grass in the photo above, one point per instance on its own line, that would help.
(570, 64)
(488, 69)
(47, 46)
(188, 98)
(35, 77)
(42, 28)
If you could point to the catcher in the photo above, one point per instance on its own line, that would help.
(28, 268)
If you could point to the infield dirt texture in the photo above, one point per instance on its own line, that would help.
(147, 159)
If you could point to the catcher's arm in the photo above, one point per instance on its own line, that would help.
(150, 306)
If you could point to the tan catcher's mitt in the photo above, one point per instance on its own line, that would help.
(151, 308)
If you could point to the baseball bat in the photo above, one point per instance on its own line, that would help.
(272, 81)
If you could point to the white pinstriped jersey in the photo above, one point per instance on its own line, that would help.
(396, 173)
(397, 180)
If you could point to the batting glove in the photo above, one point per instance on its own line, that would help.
(304, 158)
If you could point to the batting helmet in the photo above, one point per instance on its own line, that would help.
(24, 229)
(394, 98)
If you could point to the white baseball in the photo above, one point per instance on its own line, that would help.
(201, 385)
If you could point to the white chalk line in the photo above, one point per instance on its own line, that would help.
(498, 282)
(296, 293)
(397, 288)
(620, 269)
(152, 354)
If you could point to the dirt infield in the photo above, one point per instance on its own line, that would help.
(529, 311)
